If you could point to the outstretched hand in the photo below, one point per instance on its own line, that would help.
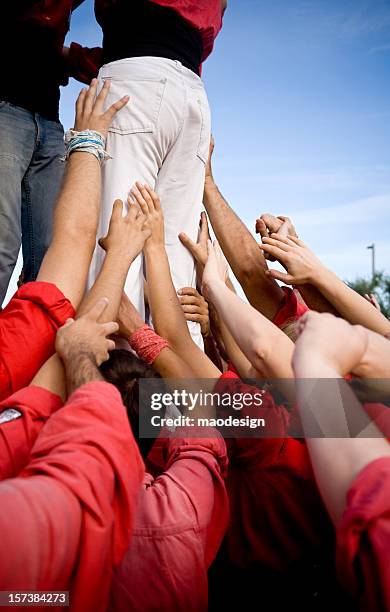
(301, 264)
(216, 269)
(150, 205)
(198, 249)
(87, 336)
(195, 308)
(126, 234)
(90, 114)
(268, 224)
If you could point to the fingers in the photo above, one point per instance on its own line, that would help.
(190, 291)
(272, 223)
(139, 199)
(80, 102)
(117, 209)
(261, 228)
(280, 276)
(282, 242)
(188, 243)
(204, 233)
(275, 251)
(115, 108)
(146, 194)
(90, 97)
(296, 240)
(101, 97)
(97, 310)
(191, 308)
(68, 323)
(154, 197)
(110, 345)
(109, 328)
(195, 317)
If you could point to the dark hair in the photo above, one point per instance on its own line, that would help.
(123, 370)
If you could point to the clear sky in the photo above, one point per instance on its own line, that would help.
(300, 95)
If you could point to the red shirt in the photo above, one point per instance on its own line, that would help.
(28, 327)
(291, 309)
(277, 515)
(181, 519)
(54, 16)
(204, 15)
(66, 521)
(22, 417)
(363, 538)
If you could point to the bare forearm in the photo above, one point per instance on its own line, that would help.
(243, 254)
(80, 369)
(351, 306)
(265, 346)
(315, 300)
(337, 458)
(235, 354)
(167, 313)
(168, 317)
(81, 186)
(109, 284)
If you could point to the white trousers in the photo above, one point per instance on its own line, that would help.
(161, 138)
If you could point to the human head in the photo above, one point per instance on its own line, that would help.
(123, 370)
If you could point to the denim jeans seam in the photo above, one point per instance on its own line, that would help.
(30, 221)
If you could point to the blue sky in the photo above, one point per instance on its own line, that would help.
(300, 95)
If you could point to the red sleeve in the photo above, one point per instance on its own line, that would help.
(83, 63)
(198, 467)
(79, 493)
(181, 520)
(363, 537)
(28, 327)
(22, 417)
(291, 308)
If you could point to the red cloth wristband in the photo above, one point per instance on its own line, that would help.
(147, 344)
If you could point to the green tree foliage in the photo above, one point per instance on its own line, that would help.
(379, 285)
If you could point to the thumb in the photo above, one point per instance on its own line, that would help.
(187, 242)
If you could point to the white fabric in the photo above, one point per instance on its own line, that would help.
(161, 138)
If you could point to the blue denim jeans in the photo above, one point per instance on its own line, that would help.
(30, 178)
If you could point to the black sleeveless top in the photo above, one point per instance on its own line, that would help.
(136, 28)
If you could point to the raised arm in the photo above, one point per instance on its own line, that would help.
(282, 226)
(124, 241)
(267, 348)
(76, 216)
(167, 313)
(241, 250)
(338, 457)
(304, 267)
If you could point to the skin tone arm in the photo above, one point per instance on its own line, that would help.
(168, 364)
(81, 347)
(282, 226)
(304, 267)
(336, 460)
(241, 250)
(196, 309)
(123, 243)
(267, 348)
(166, 310)
(199, 251)
(67, 260)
